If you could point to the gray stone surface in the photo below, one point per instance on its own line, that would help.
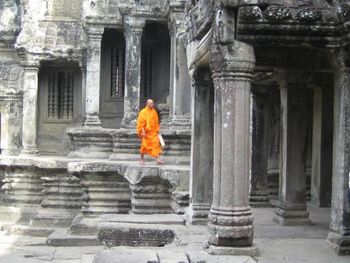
(132, 256)
(131, 234)
(291, 207)
(259, 195)
(230, 219)
(322, 144)
(340, 216)
(201, 183)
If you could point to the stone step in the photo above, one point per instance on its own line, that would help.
(62, 238)
(28, 230)
(163, 219)
(140, 255)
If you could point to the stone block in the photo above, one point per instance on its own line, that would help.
(124, 234)
(123, 256)
(168, 256)
(203, 257)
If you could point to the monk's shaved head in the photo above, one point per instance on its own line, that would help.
(150, 103)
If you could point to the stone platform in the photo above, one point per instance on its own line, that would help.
(62, 198)
(292, 244)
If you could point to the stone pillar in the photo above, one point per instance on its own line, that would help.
(11, 124)
(201, 173)
(230, 219)
(274, 146)
(180, 82)
(30, 107)
(259, 194)
(339, 235)
(83, 91)
(133, 33)
(322, 146)
(93, 67)
(291, 207)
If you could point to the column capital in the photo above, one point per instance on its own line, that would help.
(134, 25)
(176, 23)
(201, 78)
(94, 32)
(28, 62)
(235, 60)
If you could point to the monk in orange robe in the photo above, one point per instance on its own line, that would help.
(147, 130)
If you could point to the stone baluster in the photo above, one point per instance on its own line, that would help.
(230, 219)
(133, 28)
(201, 174)
(30, 107)
(291, 206)
(339, 235)
(82, 65)
(259, 194)
(93, 67)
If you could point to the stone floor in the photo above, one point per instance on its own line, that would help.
(277, 244)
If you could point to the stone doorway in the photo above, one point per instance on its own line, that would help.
(155, 63)
(112, 78)
(59, 106)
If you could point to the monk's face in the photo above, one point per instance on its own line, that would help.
(150, 104)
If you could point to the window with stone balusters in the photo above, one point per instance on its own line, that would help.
(60, 101)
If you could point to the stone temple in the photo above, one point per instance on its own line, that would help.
(254, 102)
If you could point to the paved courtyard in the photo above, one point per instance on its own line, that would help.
(277, 244)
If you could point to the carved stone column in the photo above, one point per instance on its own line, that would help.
(274, 146)
(259, 194)
(291, 207)
(230, 219)
(11, 124)
(201, 175)
(180, 103)
(30, 107)
(339, 235)
(93, 67)
(133, 33)
(322, 144)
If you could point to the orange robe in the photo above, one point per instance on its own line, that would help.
(148, 120)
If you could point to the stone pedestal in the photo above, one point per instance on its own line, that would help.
(339, 235)
(30, 98)
(201, 180)
(22, 188)
(133, 34)
(62, 199)
(291, 207)
(322, 146)
(93, 65)
(230, 219)
(90, 143)
(259, 194)
(105, 193)
(151, 196)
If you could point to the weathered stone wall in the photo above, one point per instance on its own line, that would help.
(9, 20)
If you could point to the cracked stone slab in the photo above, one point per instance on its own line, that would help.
(126, 255)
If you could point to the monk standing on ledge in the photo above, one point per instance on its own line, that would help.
(147, 130)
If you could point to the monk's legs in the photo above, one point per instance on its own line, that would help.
(159, 161)
(142, 161)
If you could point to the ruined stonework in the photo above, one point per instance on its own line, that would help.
(253, 100)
